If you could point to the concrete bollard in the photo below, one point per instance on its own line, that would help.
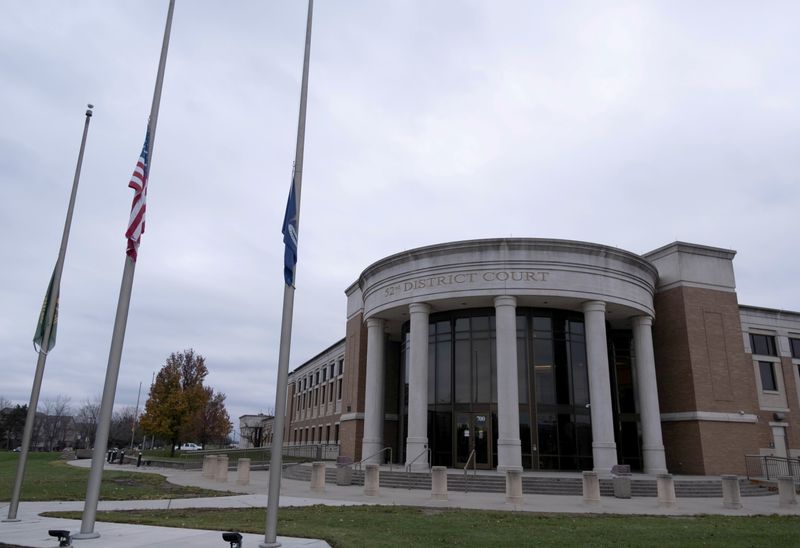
(514, 485)
(666, 491)
(372, 480)
(210, 466)
(731, 497)
(439, 482)
(344, 474)
(622, 486)
(243, 472)
(222, 468)
(591, 488)
(787, 498)
(318, 477)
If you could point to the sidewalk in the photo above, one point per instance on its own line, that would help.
(32, 529)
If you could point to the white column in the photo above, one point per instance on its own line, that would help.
(509, 447)
(604, 450)
(373, 395)
(649, 411)
(417, 440)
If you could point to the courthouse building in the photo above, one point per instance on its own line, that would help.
(554, 355)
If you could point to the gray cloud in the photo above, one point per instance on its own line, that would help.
(626, 124)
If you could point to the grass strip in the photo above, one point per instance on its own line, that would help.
(49, 478)
(390, 526)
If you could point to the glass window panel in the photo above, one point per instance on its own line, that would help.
(548, 435)
(542, 323)
(525, 432)
(480, 323)
(462, 324)
(443, 441)
(580, 373)
(763, 345)
(483, 370)
(566, 436)
(431, 372)
(493, 373)
(463, 434)
(543, 351)
(463, 371)
(563, 389)
(545, 384)
(576, 328)
(522, 370)
(768, 381)
(443, 371)
(583, 434)
(443, 327)
(795, 345)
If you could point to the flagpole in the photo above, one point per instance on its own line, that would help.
(118, 337)
(276, 457)
(49, 315)
(136, 415)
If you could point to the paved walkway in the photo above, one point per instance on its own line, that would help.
(32, 530)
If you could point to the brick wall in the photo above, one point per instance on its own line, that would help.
(701, 366)
(351, 430)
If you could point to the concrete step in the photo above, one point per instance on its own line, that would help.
(572, 486)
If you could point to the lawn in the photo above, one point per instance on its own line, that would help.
(390, 526)
(49, 478)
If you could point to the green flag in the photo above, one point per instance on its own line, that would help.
(40, 327)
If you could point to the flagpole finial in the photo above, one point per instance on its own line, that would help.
(89, 108)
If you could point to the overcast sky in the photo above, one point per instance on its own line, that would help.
(631, 124)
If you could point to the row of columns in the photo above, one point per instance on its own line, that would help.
(509, 447)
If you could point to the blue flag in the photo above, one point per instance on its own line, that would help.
(290, 237)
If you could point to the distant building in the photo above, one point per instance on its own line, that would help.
(554, 355)
(314, 401)
(255, 430)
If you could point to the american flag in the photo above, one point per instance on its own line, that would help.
(139, 185)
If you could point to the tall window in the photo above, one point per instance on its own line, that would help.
(763, 345)
(768, 380)
(795, 347)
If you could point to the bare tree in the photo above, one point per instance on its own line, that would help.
(56, 423)
(121, 426)
(86, 421)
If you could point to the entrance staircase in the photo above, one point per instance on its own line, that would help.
(550, 484)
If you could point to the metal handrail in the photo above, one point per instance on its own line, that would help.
(474, 470)
(412, 461)
(357, 465)
(771, 467)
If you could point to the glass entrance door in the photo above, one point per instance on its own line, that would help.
(473, 433)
